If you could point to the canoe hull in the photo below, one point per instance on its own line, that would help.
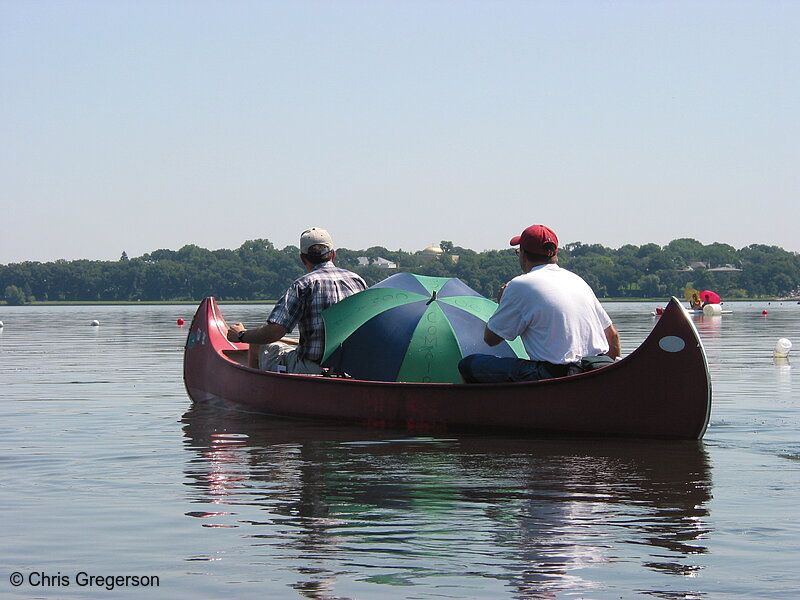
(662, 389)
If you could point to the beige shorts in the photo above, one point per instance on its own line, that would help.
(283, 358)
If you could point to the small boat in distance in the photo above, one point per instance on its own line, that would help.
(706, 303)
(660, 390)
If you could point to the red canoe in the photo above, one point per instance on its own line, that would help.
(662, 389)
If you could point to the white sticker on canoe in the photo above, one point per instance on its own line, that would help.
(671, 343)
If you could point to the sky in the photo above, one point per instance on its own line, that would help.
(140, 125)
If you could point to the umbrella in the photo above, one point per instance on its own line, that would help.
(710, 297)
(410, 328)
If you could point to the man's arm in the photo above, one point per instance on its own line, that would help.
(266, 334)
(614, 350)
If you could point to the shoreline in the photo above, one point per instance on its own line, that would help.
(133, 302)
(224, 302)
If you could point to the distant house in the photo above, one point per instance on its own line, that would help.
(379, 262)
(384, 264)
(725, 269)
(694, 266)
(704, 266)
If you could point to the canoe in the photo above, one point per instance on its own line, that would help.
(660, 390)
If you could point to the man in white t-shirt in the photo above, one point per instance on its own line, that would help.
(554, 311)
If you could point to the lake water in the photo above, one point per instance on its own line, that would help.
(109, 470)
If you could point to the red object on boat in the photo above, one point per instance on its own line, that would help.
(662, 389)
(710, 297)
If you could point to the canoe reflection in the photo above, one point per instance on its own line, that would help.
(531, 515)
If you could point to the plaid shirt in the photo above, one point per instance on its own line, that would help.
(304, 301)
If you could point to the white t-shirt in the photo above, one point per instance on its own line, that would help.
(556, 314)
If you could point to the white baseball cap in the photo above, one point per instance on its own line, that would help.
(313, 237)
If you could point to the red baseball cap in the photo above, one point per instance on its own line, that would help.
(537, 239)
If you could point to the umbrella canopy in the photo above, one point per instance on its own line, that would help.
(710, 297)
(410, 328)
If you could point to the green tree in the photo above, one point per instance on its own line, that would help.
(651, 287)
(14, 296)
(257, 270)
(688, 249)
(718, 255)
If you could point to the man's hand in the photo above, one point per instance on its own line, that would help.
(233, 332)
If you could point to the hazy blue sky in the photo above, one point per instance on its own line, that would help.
(138, 125)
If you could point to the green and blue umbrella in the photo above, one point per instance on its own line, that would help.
(410, 328)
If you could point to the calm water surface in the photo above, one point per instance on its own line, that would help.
(107, 469)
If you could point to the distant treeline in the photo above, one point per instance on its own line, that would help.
(258, 271)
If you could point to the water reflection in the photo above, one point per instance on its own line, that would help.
(341, 506)
(709, 327)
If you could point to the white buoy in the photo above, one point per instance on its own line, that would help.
(782, 348)
(95, 323)
(1, 325)
(712, 310)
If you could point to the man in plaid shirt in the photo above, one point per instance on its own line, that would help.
(322, 285)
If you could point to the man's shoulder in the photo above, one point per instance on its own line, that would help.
(556, 272)
(545, 277)
(535, 274)
(329, 267)
(328, 271)
(341, 271)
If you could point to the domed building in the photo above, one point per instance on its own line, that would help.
(432, 252)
